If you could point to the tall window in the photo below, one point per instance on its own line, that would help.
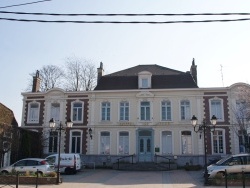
(77, 111)
(216, 108)
(167, 142)
(53, 142)
(76, 140)
(33, 116)
(124, 111)
(166, 111)
(186, 141)
(105, 143)
(123, 143)
(55, 111)
(218, 142)
(145, 111)
(105, 111)
(185, 110)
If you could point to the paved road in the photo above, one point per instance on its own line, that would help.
(129, 179)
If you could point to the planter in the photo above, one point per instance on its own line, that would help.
(27, 180)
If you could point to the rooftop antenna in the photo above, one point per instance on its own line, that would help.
(221, 75)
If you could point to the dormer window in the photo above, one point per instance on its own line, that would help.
(144, 79)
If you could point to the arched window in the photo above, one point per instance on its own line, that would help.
(105, 143)
(77, 111)
(33, 112)
(186, 141)
(76, 142)
(123, 143)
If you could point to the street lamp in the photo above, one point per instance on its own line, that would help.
(90, 133)
(60, 128)
(203, 128)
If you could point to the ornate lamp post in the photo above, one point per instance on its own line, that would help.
(59, 128)
(203, 128)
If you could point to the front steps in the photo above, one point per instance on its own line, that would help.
(144, 166)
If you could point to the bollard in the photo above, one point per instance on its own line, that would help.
(17, 179)
(226, 178)
(36, 178)
(243, 179)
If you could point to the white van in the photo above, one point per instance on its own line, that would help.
(70, 163)
(233, 164)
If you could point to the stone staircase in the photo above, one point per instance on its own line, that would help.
(144, 166)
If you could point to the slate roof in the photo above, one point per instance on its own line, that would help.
(162, 78)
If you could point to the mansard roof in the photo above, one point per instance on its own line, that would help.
(162, 78)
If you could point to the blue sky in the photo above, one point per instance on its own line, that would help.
(26, 47)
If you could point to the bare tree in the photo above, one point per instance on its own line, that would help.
(51, 77)
(242, 116)
(80, 75)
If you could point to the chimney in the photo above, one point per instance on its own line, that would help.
(100, 72)
(193, 71)
(36, 82)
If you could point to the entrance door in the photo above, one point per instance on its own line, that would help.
(145, 146)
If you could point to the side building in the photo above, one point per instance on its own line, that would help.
(40, 107)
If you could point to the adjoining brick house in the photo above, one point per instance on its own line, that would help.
(7, 124)
(40, 107)
(146, 110)
(16, 143)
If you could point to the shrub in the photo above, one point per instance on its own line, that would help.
(51, 174)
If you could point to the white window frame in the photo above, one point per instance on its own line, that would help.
(55, 113)
(122, 111)
(219, 119)
(144, 77)
(33, 114)
(166, 106)
(123, 144)
(187, 110)
(77, 109)
(145, 110)
(190, 145)
(57, 142)
(71, 137)
(162, 142)
(107, 114)
(106, 149)
(223, 140)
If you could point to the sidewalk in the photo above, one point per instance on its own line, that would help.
(129, 179)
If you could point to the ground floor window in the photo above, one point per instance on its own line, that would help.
(123, 143)
(218, 142)
(53, 142)
(244, 143)
(186, 141)
(76, 140)
(167, 142)
(105, 143)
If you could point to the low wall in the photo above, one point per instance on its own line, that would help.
(8, 179)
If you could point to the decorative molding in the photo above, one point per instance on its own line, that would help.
(145, 94)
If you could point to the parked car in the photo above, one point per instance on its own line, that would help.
(70, 163)
(232, 164)
(36, 165)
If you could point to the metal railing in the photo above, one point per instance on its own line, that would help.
(128, 156)
(164, 157)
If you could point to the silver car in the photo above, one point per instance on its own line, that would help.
(35, 165)
(232, 164)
